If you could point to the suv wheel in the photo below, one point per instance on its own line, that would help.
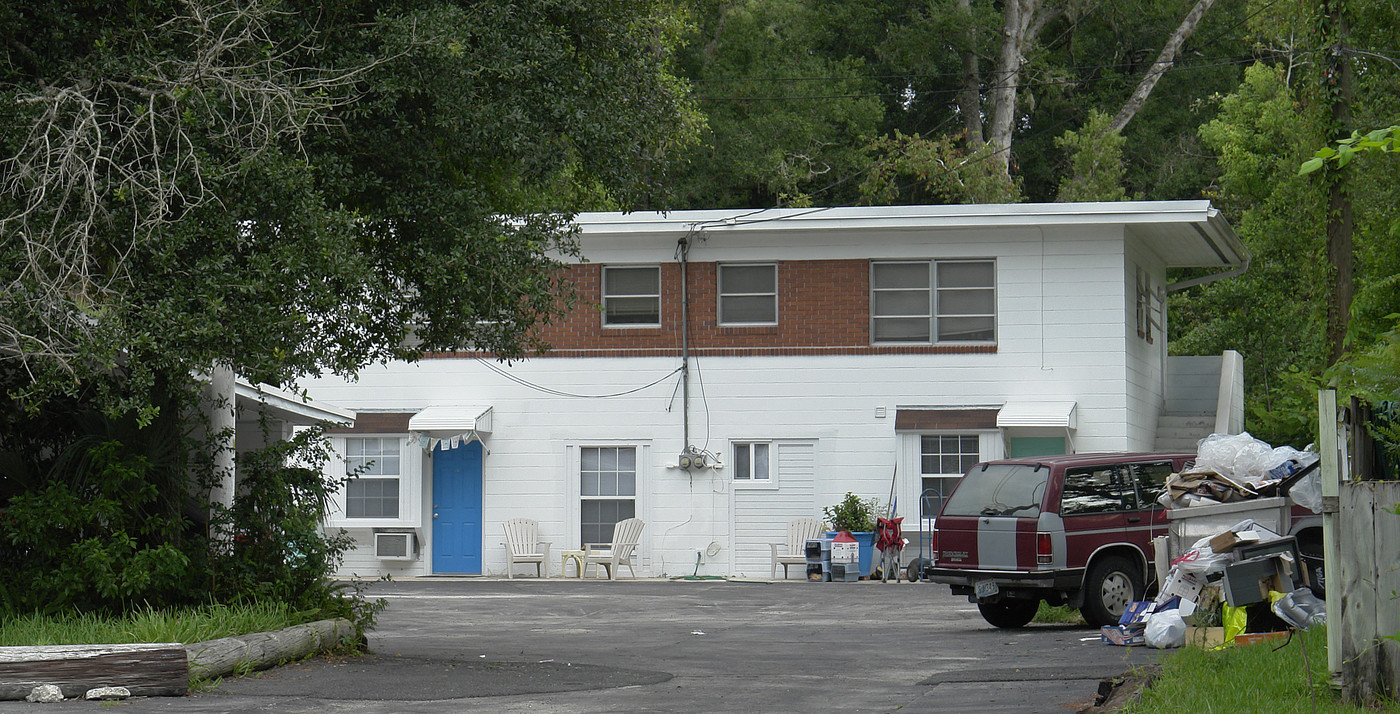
(1009, 614)
(1111, 584)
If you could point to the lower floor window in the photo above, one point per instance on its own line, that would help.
(373, 490)
(608, 490)
(751, 462)
(943, 459)
(372, 498)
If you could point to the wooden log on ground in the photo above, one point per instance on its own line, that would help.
(147, 670)
(216, 658)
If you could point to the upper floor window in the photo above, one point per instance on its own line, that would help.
(373, 492)
(1147, 311)
(748, 294)
(632, 296)
(933, 301)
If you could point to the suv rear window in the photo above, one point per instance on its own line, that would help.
(1000, 490)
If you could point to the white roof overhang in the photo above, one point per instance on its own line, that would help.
(1042, 415)
(287, 407)
(1183, 233)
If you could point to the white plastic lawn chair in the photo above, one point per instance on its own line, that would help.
(523, 545)
(794, 550)
(610, 556)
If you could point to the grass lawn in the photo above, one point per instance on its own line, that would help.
(1267, 677)
(184, 625)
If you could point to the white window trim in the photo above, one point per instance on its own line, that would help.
(909, 455)
(919, 449)
(933, 315)
(410, 486)
(603, 298)
(573, 467)
(720, 295)
(771, 483)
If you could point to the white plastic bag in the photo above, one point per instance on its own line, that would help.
(1203, 561)
(1165, 629)
(1307, 492)
(1236, 456)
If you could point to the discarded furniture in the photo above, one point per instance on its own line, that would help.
(793, 551)
(523, 545)
(611, 556)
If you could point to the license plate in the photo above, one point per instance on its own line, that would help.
(985, 588)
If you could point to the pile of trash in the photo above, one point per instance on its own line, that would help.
(1239, 467)
(1242, 583)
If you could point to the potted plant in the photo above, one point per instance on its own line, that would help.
(857, 516)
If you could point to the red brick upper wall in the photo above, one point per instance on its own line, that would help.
(823, 308)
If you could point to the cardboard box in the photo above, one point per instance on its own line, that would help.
(1186, 586)
(1123, 635)
(1227, 541)
(1205, 637)
(1254, 638)
(1137, 612)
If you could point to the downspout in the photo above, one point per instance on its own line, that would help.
(1207, 279)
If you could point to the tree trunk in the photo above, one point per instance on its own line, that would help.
(970, 95)
(1006, 79)
(147, 670)
(261, 650)
(1164, 62)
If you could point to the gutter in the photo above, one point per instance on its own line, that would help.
(1207, 279)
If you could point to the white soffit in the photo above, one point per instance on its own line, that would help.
(288, 407)
(455, 418)
(1056, 415)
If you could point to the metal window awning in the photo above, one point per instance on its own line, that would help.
(450, 425)
(1038, 415)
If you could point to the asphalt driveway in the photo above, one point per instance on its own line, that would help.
(473, 644)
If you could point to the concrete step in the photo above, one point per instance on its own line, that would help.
(1182, 433)
(1187, 446)
(1193, 421)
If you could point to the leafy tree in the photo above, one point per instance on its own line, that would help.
(285, 189)
(788, 110)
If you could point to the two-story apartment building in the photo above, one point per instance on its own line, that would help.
(804, 354)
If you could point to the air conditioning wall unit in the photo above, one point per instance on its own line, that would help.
(396, 545)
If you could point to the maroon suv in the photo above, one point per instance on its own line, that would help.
(1074, 529)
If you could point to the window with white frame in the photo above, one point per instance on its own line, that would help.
(374, 465)
(752, 464)
(927, 301)
(943, 459)
(748, 294)
(632, 296)
(607, 490)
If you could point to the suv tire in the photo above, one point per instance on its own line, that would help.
(1009, 614)
(1111, 584)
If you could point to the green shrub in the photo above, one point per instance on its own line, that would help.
(853, 514)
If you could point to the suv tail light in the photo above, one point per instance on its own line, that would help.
(933, 545)
(1044, 552)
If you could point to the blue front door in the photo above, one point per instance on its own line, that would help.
(457, 509)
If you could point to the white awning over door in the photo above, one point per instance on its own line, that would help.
(1041, 415)
(450, 425)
